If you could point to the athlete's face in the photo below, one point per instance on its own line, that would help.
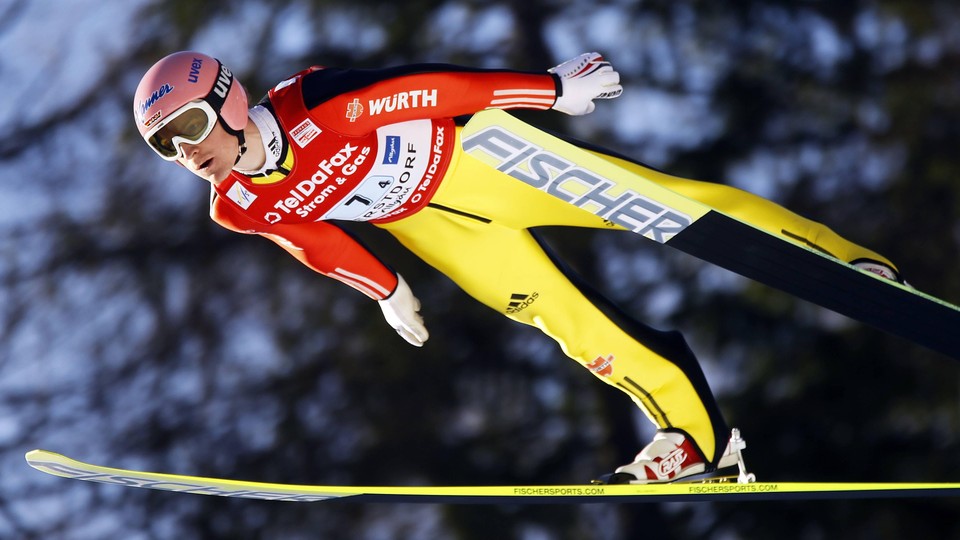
(212, 158)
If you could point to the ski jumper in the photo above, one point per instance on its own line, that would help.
(382, 146)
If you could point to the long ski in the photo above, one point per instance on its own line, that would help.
(59, 465)
(647, 208)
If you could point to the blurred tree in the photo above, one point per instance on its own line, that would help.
(136, 333)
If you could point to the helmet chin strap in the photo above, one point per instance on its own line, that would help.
(242, 146)
(241, 140)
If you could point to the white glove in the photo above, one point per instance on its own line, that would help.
(583, 79)
(400, 309)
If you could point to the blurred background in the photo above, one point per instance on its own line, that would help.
(136, 333)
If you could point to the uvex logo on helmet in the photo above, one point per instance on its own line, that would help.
(194, 76)
(223, 82)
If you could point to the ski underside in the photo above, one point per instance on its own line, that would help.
(715, 489)
(651, 210)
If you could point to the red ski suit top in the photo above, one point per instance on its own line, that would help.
(362, 145)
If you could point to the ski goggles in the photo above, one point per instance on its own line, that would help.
(191, 124)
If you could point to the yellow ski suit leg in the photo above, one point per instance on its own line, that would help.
(757, 211)
(475, 231)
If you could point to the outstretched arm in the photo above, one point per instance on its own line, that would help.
(331, 251)
(357, 101)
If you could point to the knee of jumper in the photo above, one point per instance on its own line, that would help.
(598, 341)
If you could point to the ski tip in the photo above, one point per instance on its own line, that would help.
(42, 459)
(39, 452)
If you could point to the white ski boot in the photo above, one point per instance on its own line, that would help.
(671, 456)
(880, 269)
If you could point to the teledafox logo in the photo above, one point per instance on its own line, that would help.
(303, 201)
(558, 176)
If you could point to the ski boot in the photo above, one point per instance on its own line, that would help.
(671, 456)
(880, 269)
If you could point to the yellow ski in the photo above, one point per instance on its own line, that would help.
(59, 465)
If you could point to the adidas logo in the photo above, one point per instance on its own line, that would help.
(520, 302)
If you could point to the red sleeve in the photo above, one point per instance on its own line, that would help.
(359, 101)
(322, 246)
